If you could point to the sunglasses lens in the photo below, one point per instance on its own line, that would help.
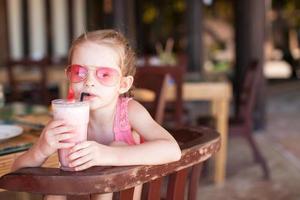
(76, 73)
(107, 76)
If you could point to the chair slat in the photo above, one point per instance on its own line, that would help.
(152, 190)
(194, 180)
(127, 194)
(176, 185)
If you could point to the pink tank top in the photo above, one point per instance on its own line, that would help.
(122, 128)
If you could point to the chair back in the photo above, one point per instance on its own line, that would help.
(196, 145)
(157, 83)
(176, 73)
(28, 75)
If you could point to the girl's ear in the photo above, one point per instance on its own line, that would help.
(126, 83)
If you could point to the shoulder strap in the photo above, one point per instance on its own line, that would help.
(122, 126)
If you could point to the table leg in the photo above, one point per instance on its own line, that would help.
(23, 196)
(214, 108)
(220, 108)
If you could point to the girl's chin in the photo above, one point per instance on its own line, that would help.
(94, 105)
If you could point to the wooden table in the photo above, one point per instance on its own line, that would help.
(19, 144)
(219, 94)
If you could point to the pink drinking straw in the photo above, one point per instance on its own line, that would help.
(71, 95)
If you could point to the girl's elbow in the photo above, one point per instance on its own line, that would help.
(14, 167)
(176, 155)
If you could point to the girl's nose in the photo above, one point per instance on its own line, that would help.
(90, 80)
(89, 84)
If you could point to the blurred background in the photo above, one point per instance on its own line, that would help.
(213, 40)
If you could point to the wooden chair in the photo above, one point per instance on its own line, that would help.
(157, 83)
(153, 79)
(176, 73)
(196, 145)
(148, 78)
(242, 122)
(28, 77)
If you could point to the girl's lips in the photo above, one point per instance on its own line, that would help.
(90, 96)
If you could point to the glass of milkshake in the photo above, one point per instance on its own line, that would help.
(76, 114)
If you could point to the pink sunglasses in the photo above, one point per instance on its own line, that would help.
(105, 75)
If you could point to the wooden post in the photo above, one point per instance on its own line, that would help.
(250, 37)
(3, 32)
(124, 18)
(25, 25)
(195, 27)
(93, 16)
(70, 11)
(49, 29)
(120, 15)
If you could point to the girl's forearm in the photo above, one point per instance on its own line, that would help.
(32, 158)
(149, 153)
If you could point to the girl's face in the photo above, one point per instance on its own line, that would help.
(98, 61)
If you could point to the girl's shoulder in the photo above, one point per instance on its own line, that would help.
(134, 105)
(136, 111)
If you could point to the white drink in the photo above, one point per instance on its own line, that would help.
(75, 114)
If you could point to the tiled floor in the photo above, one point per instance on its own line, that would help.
(280, 145)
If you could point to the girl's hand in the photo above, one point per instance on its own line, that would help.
(53, 136)
(89, 153)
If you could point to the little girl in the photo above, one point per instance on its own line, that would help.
(120, 130)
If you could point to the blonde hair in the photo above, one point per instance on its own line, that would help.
(113, 39)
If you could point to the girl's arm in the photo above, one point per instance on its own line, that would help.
(160, 147)
(31, 158)
(50, 140)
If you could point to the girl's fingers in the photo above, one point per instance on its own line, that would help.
(84, 166)
(64, 145)
(79, 153)
(62, 129)
(56, 123)
(81, 161)
(64, 136)
(79, 146)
